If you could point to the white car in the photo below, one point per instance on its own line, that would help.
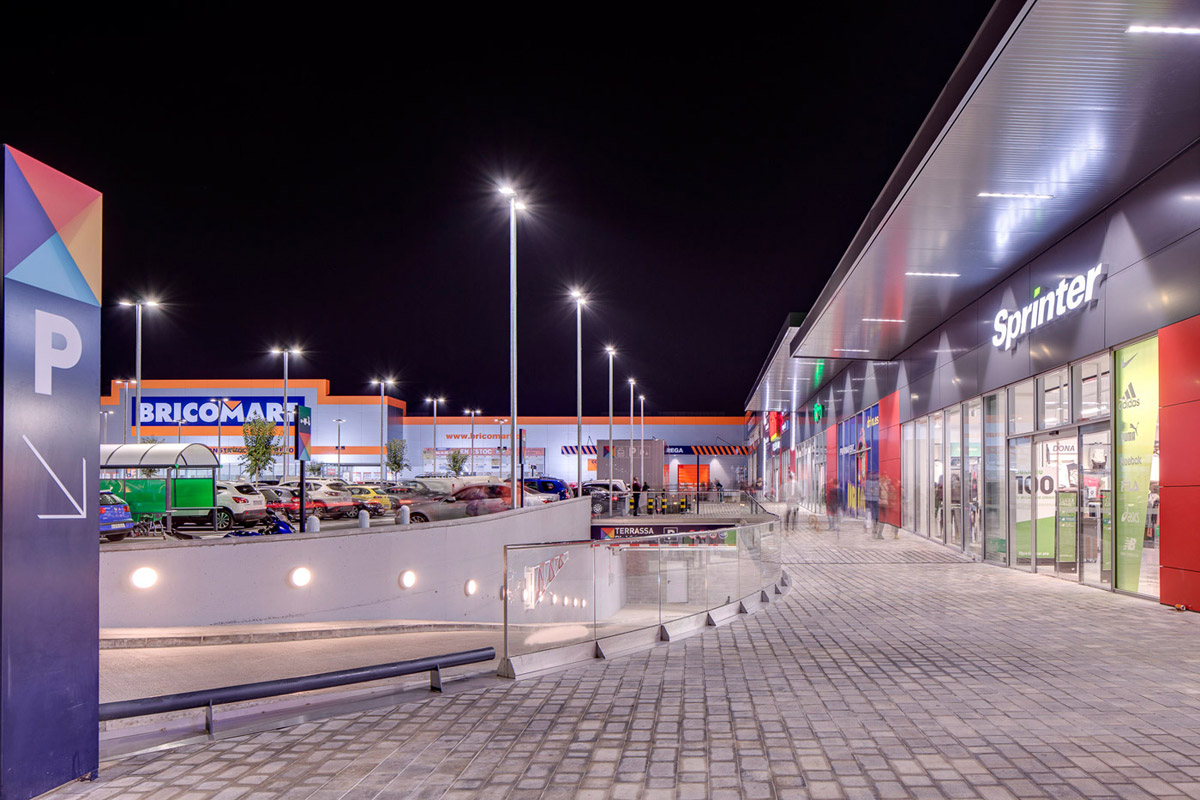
(330, 496)
(238, 503)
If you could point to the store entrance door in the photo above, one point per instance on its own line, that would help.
(1056, 503)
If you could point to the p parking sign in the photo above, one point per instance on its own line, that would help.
(303, 433)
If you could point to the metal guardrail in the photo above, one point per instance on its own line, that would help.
(720, 504)
(207, 698)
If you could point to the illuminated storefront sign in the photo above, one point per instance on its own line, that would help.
(1068, 296)
(205, 411)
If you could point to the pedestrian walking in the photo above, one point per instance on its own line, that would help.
(637, 495)
(871, 490)
(791, 496)
(831, 506)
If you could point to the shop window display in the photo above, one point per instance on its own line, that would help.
(995, 530)
(1136, 468)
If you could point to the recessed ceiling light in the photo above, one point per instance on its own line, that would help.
(934, 274)
(1017, 195)
(879, 319)
(1163, 29)
(849, 350)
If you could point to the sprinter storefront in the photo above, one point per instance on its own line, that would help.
(1011, 345)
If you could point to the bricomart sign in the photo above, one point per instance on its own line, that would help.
(1068, 296)
(205, 411)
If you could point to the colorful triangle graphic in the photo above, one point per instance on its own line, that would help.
(52, 229)
(62, 197)
(26, 226)
(51, 267)
(232, 404)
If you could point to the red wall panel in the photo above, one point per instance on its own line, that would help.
(1180, 587)
(831, 452)
(1179, 445)
(1178, 510)
(1179, 362)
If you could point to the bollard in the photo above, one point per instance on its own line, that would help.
(312, 524)
(364, 519)
(405, 513)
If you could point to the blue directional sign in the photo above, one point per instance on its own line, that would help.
(49, 548)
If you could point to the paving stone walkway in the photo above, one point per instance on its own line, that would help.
(893, 669)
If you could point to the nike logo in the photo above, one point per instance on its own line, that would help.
(1125, 363)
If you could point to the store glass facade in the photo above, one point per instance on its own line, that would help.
(1042, 498)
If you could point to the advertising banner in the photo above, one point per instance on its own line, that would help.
(1136, 424)
(707, 533)
(49, 560)
(1067, 510)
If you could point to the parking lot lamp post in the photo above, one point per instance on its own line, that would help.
(383, 384)
(612, 351)
(104, 415)
(220, 401)
(473, 412)
(632, 382)
(125, 384)
(286, 416)
(179, 429)
(642, 448)
(514, 205)
(136, 305)
(580, 300)
(339, 422)
(435, 401)
(500, 447)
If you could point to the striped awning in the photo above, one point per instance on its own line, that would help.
(571, 449)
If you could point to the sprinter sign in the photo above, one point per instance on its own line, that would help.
(1047, 304)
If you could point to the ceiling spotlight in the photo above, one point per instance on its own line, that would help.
(933, 274)
(849, 350)
(1170, 29)
(1017, 195)
(878, 319)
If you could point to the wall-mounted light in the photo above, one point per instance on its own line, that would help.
(471, 587)
(553, 599)
(408, 579)
(144, 577)
(300, 577)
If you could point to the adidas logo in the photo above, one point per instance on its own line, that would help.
(1129, 399)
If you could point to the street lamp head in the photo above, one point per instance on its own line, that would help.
(612, 351)
(642, 397)
(151, 303)
(125, 303)
(339, 420)
(632, 382)
(507, 191)
(521, 206)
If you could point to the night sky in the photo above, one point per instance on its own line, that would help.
(698, 187)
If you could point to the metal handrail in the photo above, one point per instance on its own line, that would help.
(207, 698)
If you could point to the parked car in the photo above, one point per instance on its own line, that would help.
(239, 504)
(419, 488)
(605, 496)
(618, 486)
(370, 494)
(532, 497)
(286, 500)
(328, 497)
(469, 501)
(548, 485)
(115, 520)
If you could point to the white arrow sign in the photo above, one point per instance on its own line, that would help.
(82, 481)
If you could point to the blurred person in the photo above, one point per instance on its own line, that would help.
(791, 496)
(832, 502)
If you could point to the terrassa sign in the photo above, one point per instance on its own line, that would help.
(1069, 295)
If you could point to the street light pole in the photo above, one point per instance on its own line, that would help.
(104, 415)
(339, 422)
(473, 412)
(612, 351)
(220, 401)
(136, 305)
(642, 448)
(579, 301)
(383, 384)
(286, 351)
(435, 401)
(514, 205)
(500, 447)
(632, 382)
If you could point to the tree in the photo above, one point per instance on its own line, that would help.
(261, 441)
(397, 456)
(458, 460)
(149, 473)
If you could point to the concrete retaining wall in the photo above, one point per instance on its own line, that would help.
(355, 574)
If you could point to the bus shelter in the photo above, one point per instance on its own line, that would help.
(163, 482)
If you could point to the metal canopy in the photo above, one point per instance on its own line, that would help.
(1066, 104)
(157, 456)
